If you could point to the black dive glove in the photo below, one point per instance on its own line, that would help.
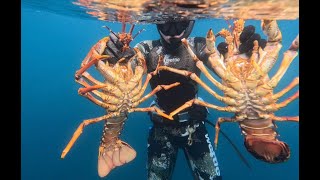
(116, 51)
(198, 112)
(247, 37)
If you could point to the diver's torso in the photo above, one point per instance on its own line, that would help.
(173, 98)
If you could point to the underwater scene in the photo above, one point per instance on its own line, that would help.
(67, 78)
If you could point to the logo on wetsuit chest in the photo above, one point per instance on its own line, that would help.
(169, 59)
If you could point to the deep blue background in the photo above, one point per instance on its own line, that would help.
(53, 47)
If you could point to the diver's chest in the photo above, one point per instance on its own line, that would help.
(179, 59)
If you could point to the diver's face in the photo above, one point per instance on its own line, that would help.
(173, 32)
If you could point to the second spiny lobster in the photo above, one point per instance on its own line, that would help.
(248, 89)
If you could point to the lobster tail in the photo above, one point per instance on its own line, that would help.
(113, 158)
(112, 151)
(268, 150)
(261, 141)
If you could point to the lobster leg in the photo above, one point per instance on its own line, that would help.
(91, 79)
(137, 96)
(108, 72)
(229, 39)
(270, 28)
(110, 107)
(137, 89)
(273, 46)
(218, 67)
(215, 60)
(288, 88)
(154, 91)
(186, 44)
(286, 118)
(141, 91)
(109, 88)
(211, 41)
(194, 77)
(79, 130)
(217, 127)
(107, 97)
(288, 57)
(151, 109)
(94, 55)
(270, 55)
(96, 49)
(229, 91)
(123, 30)
(202, 103)
(90, 63)
(275, 107)
(91, 88)
(113, 90)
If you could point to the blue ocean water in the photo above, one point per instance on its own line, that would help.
(53, 47)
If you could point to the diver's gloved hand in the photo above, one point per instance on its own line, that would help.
(222, 48)
(198, 112)
(116, 51)
(247, 37)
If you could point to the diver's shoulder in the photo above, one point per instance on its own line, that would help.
(148, 43)
(196, 40)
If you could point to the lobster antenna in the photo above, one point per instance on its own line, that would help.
(123, 28)
(121, 60)
(233, 145)
(229, 25)
(112, 31)
(131, 29)
(137, 34)
(235, 42)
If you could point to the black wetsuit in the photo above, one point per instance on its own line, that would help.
(187, 131)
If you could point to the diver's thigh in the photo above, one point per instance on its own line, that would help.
(162, 155)
(202, 157)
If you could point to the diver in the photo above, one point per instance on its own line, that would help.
(187, 131)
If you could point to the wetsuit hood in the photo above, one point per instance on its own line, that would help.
(171, 33)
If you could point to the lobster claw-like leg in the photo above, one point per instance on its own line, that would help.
(109, 159)
(94, 55)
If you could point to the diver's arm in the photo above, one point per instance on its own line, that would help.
(144, 47)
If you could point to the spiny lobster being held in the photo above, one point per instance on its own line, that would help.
(120, 93)
(248, 90)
